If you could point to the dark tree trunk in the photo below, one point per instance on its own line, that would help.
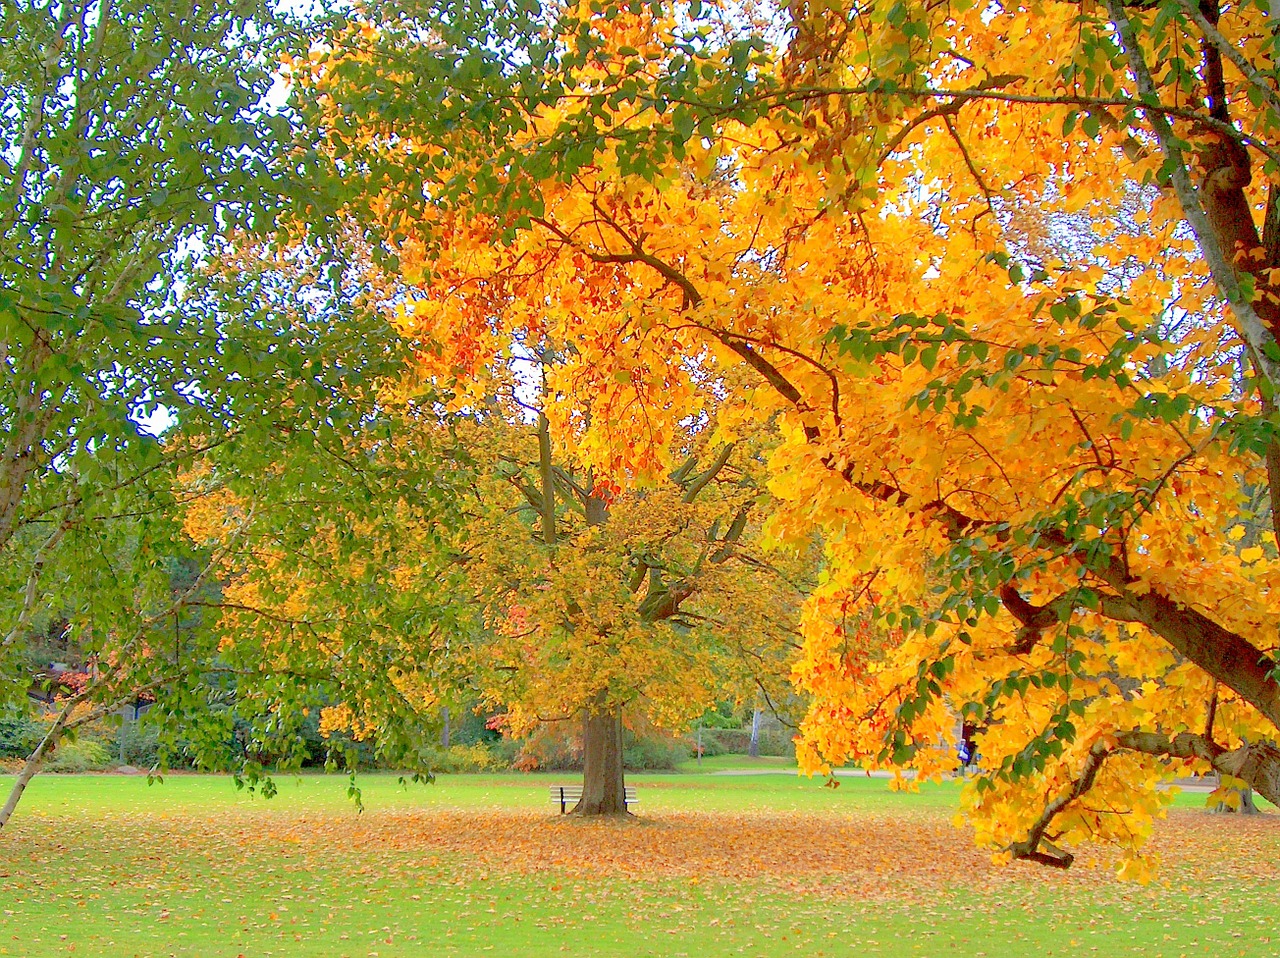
(602, 784)
(1246, 806)
(444, 730)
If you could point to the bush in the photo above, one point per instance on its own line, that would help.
(738, 742)
(722, 716)
(556, 749)
(711, 746)
(467, 727)
(507, 752)
(141, 747)
(460, 758)
(732, 741)
(550, 750)
(655, 754)
(19, 734)
(80, 756)
(104, 732)
(778, 742)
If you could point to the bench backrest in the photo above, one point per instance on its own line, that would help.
(570, 795)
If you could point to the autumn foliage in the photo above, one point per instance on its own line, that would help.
(1003, 285)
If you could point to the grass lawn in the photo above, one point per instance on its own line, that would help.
(715, 864)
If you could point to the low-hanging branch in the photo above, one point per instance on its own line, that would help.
(1255, 764)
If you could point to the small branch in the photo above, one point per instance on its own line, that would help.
(1224, 47)
(703, 479)
(972, 167)
(1211, 711)
(1035, 619)
(32, 591)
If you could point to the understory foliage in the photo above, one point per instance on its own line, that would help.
(1000, 275)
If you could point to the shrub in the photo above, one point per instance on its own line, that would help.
(721, 716)
(711, 746)
(558, 749)
(655, 754)
(550, 750)
(778, 742)
(738, 742)
(733, 741)
(141, 746)
(460, 758)
(507, 752)
(470, 728)
(19, 734)
(80, 756)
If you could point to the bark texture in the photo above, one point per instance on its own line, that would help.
(602, 775)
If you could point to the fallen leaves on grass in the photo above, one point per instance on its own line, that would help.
(868, 856)
(255, 880)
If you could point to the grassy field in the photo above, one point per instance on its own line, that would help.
(715, 864)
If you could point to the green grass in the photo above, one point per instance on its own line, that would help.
(782, 789)
(716, 865)
(716, 763)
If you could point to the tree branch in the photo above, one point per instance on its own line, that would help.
(1255, 332)
(703, 479)
(1035, 619)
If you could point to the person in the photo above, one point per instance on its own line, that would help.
(966, 749)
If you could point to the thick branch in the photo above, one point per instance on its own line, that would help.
(736, 528)
(1256, 764)
(548, 484)
(1220, 43)
(703, 479)
(1228, 657)
(1029, 849)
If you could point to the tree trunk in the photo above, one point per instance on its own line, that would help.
(602, 784)
(34, 761)
(1246, 806)
(444, 731)
(754, 748)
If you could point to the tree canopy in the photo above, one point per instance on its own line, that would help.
(1000, 278)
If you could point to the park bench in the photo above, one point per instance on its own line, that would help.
(568, 795)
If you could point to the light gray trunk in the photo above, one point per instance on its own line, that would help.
(34, 761)
(1247, 806)
(754, 749)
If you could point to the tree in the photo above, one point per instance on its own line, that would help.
(339, 593)
(136, 148)
(602, 599)
(1035, 457)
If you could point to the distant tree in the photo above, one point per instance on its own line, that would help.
(655, 599)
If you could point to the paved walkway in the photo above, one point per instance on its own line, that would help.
(1186, 784)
